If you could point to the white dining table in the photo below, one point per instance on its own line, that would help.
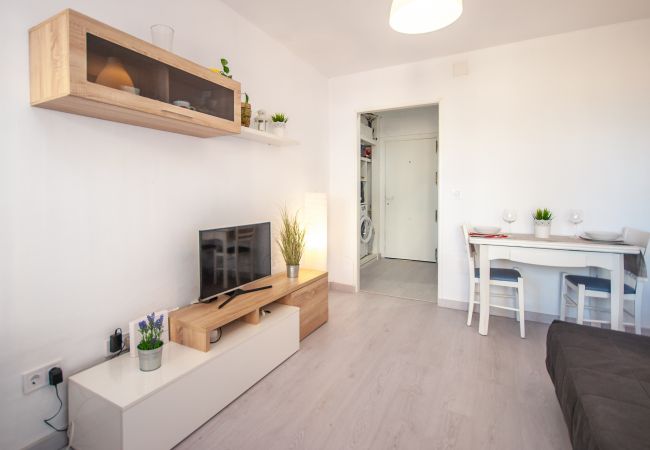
(556, 251)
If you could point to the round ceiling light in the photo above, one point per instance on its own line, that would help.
(423, 16)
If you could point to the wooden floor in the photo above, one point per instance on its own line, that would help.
(389, 373)
(401, 278)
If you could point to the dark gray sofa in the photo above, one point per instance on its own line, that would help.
(602, 381)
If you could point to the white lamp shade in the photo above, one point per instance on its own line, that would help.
(423, 16)
(315, 219)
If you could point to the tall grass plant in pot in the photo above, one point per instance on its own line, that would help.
(543, 219)
(291, 242)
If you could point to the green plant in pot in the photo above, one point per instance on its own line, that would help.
(279, 121)
(543, 219)
(246, 111)
(225, 70)
(291, 242)
(150, 346)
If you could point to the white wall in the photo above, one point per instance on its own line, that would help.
(99, 220)
(559, 122)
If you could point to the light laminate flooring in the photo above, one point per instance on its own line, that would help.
(390, 373)
(401, 278)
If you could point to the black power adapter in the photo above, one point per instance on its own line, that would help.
(115, 341)
(56, 376)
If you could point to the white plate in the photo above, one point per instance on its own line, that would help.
(602, 235)
(615, 241)
(487, 230)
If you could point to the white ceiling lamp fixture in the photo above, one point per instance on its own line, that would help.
(423, 16)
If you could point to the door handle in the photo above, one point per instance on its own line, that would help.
(189, 114)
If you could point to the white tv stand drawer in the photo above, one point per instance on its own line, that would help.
(116, 406)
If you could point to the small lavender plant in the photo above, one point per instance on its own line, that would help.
(150, 330)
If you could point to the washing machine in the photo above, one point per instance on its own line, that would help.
(366, 232)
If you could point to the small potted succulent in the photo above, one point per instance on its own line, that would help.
(542, 218)
(279, 124)
(150, 346)
(291, 242)
(246, 111)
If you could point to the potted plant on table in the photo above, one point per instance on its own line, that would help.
(542, 218)
(150, 346)
(291, 242)
(279, 124)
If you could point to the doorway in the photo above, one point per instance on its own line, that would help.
(399, 201)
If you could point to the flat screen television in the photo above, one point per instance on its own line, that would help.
(231, 257)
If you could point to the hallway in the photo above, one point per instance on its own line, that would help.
(403, 278)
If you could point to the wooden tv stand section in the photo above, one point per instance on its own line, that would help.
(193, 324)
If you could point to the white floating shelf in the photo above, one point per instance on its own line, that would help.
(363, 158)
(369, 141)
(251, 134)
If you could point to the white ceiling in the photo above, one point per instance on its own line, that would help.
(346, 36)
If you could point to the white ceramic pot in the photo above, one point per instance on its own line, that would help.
(279, 129)
(542, 229)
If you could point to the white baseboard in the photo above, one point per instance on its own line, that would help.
(347, 288)
(530, 315)
(53, 441)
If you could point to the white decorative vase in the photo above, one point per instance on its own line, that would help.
(542, 229)
(279, 129)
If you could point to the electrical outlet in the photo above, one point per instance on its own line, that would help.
(38, 378)
(125, 343)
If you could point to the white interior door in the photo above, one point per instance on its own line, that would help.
(411, 199)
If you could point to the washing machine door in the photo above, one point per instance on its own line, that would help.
(366, 229)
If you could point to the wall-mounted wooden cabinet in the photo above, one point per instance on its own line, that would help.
(82, 66)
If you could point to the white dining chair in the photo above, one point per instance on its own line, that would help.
(509, 278)
(576, 289)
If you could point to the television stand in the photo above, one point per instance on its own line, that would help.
(192, 325)
(116, 406)
(237, 292)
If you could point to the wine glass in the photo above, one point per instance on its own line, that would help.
(575, 217)
(509, 216)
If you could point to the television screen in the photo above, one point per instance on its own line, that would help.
(231, 257)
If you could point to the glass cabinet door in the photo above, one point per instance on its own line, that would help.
(121, 68)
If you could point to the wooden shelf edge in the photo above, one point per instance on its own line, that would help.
(251, 134)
